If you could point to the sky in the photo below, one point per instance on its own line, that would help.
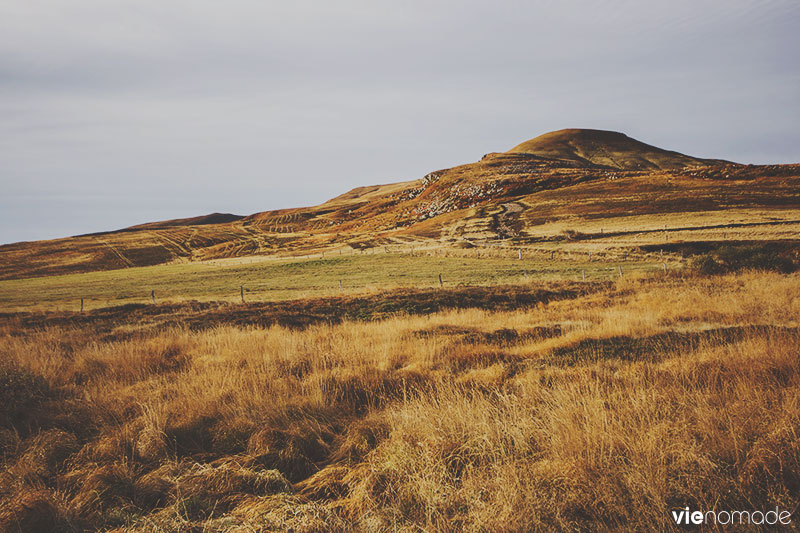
(114, 113)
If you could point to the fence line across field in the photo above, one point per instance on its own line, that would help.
(440, 278)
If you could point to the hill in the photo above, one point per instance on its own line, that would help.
(213, 218)
(602, 185)
(606, 148)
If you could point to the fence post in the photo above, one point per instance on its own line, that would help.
(620, 270)
(552, 255)
(441, 282)
(153, 296)
(241, 292)
(81, 305)
(340, 285)
(583, 273)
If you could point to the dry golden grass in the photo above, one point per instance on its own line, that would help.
(601, 412)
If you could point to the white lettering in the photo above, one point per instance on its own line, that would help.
(686, 516)
(766, 518)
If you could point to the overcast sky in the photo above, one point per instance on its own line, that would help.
(114, 113)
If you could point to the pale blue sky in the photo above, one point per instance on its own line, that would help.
(114, 113)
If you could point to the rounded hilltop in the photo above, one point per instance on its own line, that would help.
(606, 148)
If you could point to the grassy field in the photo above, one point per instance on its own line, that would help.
(271, 279)
(595, 410)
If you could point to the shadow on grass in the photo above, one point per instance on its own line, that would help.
(300, 313)
(655, 347)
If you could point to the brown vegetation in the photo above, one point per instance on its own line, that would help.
(594, 410)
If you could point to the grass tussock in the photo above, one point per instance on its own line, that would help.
(602, 411)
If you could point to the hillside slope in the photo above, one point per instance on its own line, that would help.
(567, 180)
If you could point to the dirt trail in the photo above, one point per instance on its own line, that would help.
(507, 219)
